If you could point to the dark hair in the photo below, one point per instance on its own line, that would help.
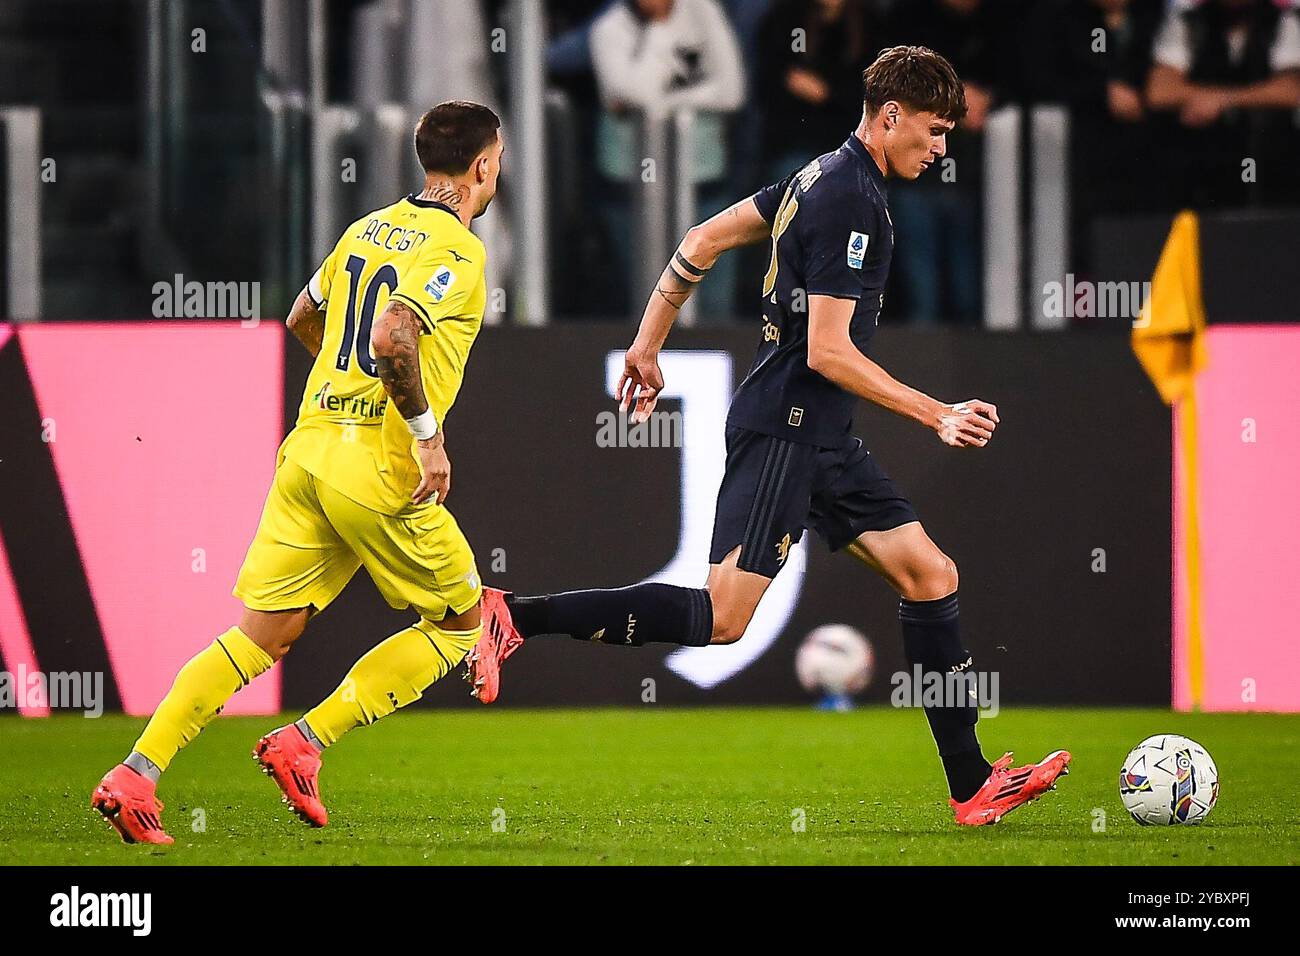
(918, 78)
(449, 136)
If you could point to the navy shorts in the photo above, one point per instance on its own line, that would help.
(772, 489)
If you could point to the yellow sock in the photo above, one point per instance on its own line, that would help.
(200, 690)
(390, 675)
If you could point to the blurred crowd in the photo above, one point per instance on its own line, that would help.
(1172, 103)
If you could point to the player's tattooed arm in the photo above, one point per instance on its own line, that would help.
(394, 340)
(307, 323)
(678, 281)
(738, 225)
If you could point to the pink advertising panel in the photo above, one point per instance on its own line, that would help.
(1248, 453)
(164, 438)
(15, 641)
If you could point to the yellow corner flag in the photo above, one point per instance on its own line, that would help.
(1169, 335)
(1169, 341)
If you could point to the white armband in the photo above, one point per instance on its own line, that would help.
(424, 425)
(313, 289)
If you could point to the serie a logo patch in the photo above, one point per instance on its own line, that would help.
(857, 249)
(440, 283)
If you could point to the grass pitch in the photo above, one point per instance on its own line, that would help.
(653, 786)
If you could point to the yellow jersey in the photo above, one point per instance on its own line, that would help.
(347, 434)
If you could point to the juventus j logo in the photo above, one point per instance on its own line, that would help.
(701, 380)
(631, 626)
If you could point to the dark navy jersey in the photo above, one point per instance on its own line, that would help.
(831, 235)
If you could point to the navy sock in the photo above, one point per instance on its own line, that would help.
(636, 615)
(932, 639)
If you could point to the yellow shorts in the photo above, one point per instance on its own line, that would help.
(312, 539)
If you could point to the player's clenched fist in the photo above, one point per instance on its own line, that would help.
(967, 424)
(435, 470)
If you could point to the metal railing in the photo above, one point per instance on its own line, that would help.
(664, 206)
(527, 61)
(1026, 181)
(20, 285)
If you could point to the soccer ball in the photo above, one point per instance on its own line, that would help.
(834, 660)
(1167, 780)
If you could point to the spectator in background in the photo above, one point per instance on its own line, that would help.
(569, 25)
(937, 217)
(651, 58)
(1093, 57)
(1229, 72)
(572, 105)
(747, 170)
(811, 56)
